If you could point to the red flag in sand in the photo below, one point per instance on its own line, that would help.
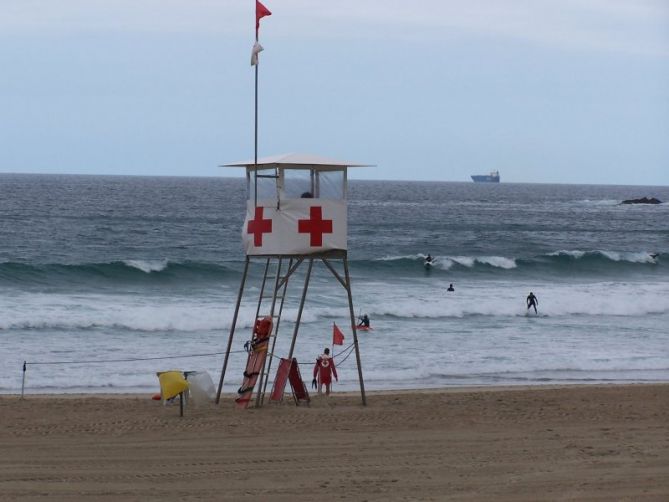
(261, 11)
(337, 335)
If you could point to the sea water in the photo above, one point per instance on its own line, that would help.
(102, 277)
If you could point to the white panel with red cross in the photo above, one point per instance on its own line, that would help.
(301, 226)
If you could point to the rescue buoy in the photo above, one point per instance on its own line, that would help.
(263, 327)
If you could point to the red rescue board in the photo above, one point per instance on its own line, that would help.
(256, 361)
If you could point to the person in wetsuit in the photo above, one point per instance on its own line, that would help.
(428, 258)
(450, 288)
(364, 321)
(532, 301)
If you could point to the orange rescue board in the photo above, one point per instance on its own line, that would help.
(256, 361)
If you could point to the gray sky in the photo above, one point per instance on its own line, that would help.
(567, 91)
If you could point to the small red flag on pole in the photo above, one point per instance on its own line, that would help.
(337, 335)
(261, 11)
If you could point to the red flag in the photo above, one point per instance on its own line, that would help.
(261, 11)
(337, 335)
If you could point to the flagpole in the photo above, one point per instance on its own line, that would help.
(255, 142)
(334, 365)
(261, 11)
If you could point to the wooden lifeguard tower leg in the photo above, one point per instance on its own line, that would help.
(232, 329)
(346, 283)
(355, 332)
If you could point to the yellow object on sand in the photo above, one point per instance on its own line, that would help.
(172, 383)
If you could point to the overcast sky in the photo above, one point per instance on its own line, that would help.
(567, 91)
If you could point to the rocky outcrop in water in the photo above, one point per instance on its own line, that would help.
(642, 200)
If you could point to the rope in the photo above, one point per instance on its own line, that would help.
(333, 356)
(135, 359)
(185, 356)
(343, 350)
(102, 361)
(344, 360)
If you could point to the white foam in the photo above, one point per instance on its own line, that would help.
(148, 314)
(600, 202)
(573, 253)
(617, 256)
(422, 335)
(508, 300)
(498, 261)
(632, 257)
(471, 261)
(397, 258)
(414, 301)
(147, 266)
(465, 261)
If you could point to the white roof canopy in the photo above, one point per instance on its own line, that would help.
(297, 161)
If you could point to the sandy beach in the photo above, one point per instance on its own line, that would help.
(561, 443)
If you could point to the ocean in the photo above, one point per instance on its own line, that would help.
(103, 278)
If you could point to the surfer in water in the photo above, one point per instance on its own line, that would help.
(450, 288)
(428, 259)
(364, 322)
(532, 301)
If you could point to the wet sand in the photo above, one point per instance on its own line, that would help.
(515, 444)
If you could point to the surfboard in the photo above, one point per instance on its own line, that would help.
(531, 313)
(254, 366)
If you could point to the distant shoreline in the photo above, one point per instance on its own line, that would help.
(455, 389)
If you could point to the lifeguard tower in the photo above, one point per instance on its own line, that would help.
(296, 215)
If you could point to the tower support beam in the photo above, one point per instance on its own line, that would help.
(232, 329)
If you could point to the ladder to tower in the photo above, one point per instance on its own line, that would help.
(276, 296)
(262, 343)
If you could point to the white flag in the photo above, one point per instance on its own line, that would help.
(257, 48)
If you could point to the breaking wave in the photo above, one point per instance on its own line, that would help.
(132, 271)
(557, 262)
(163, 271)
(604, 256)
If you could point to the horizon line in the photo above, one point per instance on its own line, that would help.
(350, 179)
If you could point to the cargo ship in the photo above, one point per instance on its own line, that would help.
(493, 177)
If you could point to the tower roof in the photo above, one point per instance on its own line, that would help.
(297, 161)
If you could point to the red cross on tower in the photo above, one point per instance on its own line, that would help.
(316, 226)
(257, 226)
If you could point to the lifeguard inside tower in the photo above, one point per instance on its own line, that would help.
(296, 215)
